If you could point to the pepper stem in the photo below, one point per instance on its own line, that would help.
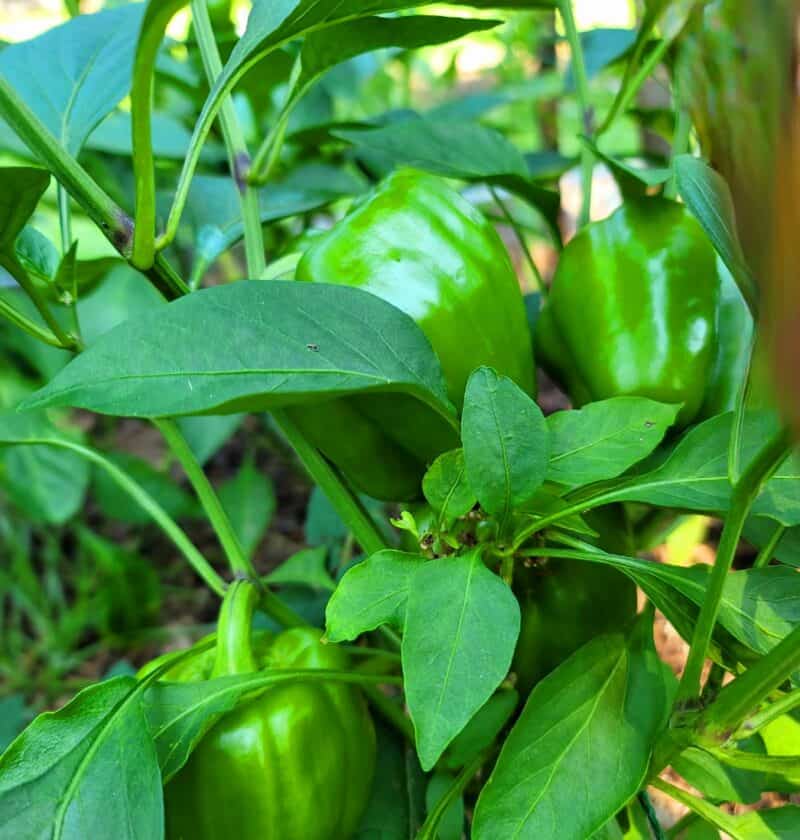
(234, 639)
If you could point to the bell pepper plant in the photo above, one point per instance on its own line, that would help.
(289, 246)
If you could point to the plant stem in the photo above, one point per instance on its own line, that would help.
(64, 219)
(582, 90)
(238, 156)
(652, 817)
(25, 283)
(146, 502)
(743, 760)
(114, 223)
(744, 494)
(630, 89)
(738, 699)
(680, 140)
(390, 712)
(151, 34)
(345, 502)
(428, 831)
(511, 222)
(239, 564)
(765, 555)
(772, 712)
(708, 812)
(24, 323)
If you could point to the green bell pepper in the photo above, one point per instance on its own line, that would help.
(633, 309)
(566, 603)
(294, 762)
(419, 245)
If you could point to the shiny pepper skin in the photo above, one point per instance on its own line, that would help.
(293, 763)
(419, 245)
(633, 309)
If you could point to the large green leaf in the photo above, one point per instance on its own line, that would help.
(251, 346)
(601, 709)
(461, 626)
(695, 475)
(88, 770)
(21, 187)
(74, 75)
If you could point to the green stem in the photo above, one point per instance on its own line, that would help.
(24, 323)
(708, 812)
(238, 156)
(582, 91)
(652, 816)
(765, 555)
(113, 222)
(239, 564)
(772, 712)
(64, 219)
(631, 88)
(743, 760)
(390, 712)
(744, 494)
(25, 283)
(428, 831)
(151, 34)
(511, 222)
(148, 504)
(345, 502)
(738, 699)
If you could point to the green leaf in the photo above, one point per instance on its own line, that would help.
(116, 504)
(717, 782)
(451, 825)
(482, 730)
(22, 187)
(74, 75)
(709, 200)
(602, 708)
(249, 500)
(758, 531)
(633, 181)
(506, 442)
(251, 345)
(308, 567)
(372, 593)
(330, 46)
(602, 47)
(207, 435)
(605, 438)
(446, 487)
(695, 475)
(462, 623)
(88, 770)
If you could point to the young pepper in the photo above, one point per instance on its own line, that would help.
(295, 762)
(419, 245)
(633, 309)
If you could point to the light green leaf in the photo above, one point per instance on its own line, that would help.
(605, 438)
(462, 623)
(249, 499)
(506, 442)
(308, 567)
(372, 593)
(72, 76)
(446, 487)
(251, 346)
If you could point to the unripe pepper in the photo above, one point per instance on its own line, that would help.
(416, 243)
(633, 309)
(566, 603)
(294, 762)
